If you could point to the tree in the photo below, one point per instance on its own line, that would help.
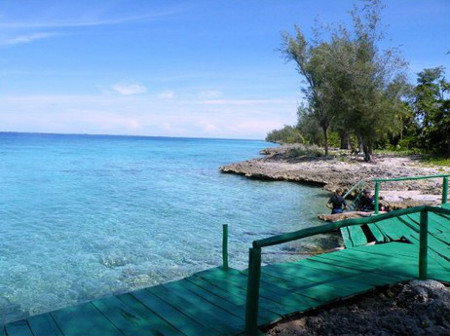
(349, 80)
(432, 109)
(308, 126)
(377, 80)
(313, 69)
(287, 134)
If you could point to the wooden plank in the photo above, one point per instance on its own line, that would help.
(130, 322)
(445, 237)
(346, 237)
(347, 282)
(377, 233)
(18, 328)
(343, 272)
(275, 295)
(44, 325)
(352, 260)
(233, 295)
(84, 320)
(326, 293)
(230, 308)
(437, 252)
(200, 310)
(357, 235)
(304, 281)
(308, 276)
(293, 283)
(269, 290)
(265, 314)
(369, 275)
(268, 299)
(438, 222)
(149, 316)
(394, 228)
(304, 284)
(189, 326)
(393, 253)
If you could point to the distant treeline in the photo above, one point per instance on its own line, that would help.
(357, 95)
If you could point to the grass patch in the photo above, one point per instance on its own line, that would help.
(436, 161)
(400, 152)
(302, 150)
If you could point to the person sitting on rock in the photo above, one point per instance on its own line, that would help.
(337, 203)
(366, 201)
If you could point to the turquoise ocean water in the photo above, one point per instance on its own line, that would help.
(83, 217)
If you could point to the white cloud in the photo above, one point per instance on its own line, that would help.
(210, 94)
(245, 101)
(129, 89)
(140, 115)
(166, 94)
(21, 39)
(83, 21)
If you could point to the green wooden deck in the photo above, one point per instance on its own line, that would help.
(213, 302)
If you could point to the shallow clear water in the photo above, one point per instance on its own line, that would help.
(83, 217)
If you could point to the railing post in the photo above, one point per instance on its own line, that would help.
(445, 189)
(225, 248)
(423, 247)
(377, 194)
(254, 275)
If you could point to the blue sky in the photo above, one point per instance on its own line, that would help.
(177, 68)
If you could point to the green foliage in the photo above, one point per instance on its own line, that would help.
(434, 160)
(310, 64)
(357, 94)
(349, 81)
(334, 140)
(305, 150)
(287, 134)
(309, 126)
(431, 107)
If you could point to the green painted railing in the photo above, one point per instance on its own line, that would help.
(225, 247)
(379, 181)
(254, 269)
(362, 182)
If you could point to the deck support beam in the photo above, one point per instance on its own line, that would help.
(445, 190)
(377, 196)
(254, 275)
(225, 248)
(423, 247)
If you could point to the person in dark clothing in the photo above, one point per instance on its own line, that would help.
(337, 202)
(366, 201)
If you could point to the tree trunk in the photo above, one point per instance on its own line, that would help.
(367, 152)
(448, 146)
(325, 138)
(360, 143)
(345, 140)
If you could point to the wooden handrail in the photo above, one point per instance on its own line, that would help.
(395, 179)
(254, 269)
(330, 227)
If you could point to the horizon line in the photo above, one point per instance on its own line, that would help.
(128, 135)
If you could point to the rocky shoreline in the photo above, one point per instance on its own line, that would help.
(295, 163)
(415, 308)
